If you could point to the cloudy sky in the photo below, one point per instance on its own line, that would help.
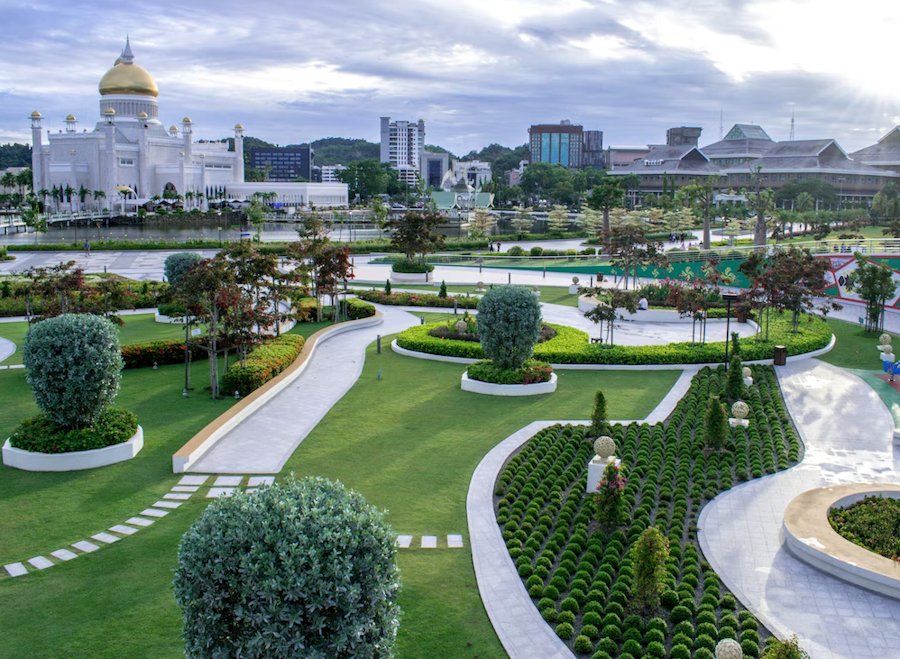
(477, 71)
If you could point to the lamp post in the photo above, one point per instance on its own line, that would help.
(729, 298)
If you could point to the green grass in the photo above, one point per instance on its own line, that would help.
(552, 294)
(854, 347)
(409, 442)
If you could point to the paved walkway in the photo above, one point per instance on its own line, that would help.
(263, 442)
(847, 433)
(7, 348)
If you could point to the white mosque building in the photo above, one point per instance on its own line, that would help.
(129, 154)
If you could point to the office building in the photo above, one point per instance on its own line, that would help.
(402, 143)
(557, 144)
(284, 163)
(433, 167)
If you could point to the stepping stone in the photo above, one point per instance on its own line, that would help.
(85, 546)
(64, 554)
(429, 541)
(185, 488)
(15, 569)
(139, 521)
(193, 480)
(106, 537)
(153, 512)
(256, 481)
(454, 541)
(216, 492)
(178, 496)
(404, 541)
(167, 504)
(228, 481)
(123, 529)
(41, 562)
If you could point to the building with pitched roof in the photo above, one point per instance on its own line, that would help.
(884, 154)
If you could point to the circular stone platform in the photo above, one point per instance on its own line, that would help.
(809, 536)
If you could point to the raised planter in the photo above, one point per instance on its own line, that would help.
(74, 460)
(171, 320)
(491, 389)
(808, 535)
(410, 277)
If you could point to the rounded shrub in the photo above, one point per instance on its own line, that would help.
(176, 266)
(565, 630)
(299, 568)
(509, 323)
(583, 645)
(74, 367)
(680, 652)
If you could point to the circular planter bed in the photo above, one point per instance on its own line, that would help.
(491, 389)
(410, 277)
(74, 460)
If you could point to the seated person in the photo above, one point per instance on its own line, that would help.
(643, 305)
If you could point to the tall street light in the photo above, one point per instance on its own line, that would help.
(729, 298)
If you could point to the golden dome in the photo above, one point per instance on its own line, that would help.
(36, 115)
(109, 112)
(70, 117)
(143, 115)
(239, 126)
(128, 78)
(187, 120)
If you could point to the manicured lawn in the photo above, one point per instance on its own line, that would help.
(409, 442)
(855, 348)
(552, 294)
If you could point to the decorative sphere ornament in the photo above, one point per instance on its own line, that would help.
(746, 372)
(575, 280)
(740, 410)
(604, 447)
(728, 648)
(461, 326)
(884, 339)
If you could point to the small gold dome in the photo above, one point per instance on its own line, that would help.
(187, 120)
(70, 117)
(173, 128)
(36, 115)
(143, 115)
(239, 126)
(109, 112)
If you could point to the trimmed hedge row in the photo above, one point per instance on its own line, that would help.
(572, 346)
(114, 425)
(531, 372)
(356, 309)
(262, 364)
(140, 355)
(418, 299)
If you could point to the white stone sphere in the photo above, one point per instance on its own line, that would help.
(461, 326)
(575, 280)
(604, 446)
(746, 372)
(740, 410)
(728, 648)
(884, 339)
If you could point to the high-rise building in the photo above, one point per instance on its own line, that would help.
(432, 167)
(284, 163)
(592, 152)
(402, 143)
(557, 144)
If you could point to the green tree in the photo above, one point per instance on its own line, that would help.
(416, 234)
(793, 279)
(74, 367)
(590, 220)
(523, 221)
(369, 178)
(300, 568)
(606, 195)
(509, 323)
(609, 301)
(558, 220)
(629, 249)
(481, 223)
(649, 556)
(734, 383)
(599, 421)
(715, 426)
(176, 266)
(876, 285)
(761, 202)
(700, 197)
(787, 649)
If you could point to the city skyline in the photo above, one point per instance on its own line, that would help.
(476, 73)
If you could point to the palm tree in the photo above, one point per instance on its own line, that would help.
(23, 180)
(189, 197)
(69, 193)
(98, 195)
(82, 194)
(8, 180)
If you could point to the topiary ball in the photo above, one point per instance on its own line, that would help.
(74, 367)
(509, 324)
(301, 568)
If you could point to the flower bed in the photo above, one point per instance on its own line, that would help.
(39, 434)
(407, 266)
(580, 575)
(532, 372)
(572, 346)
(873, 523)
(262, 364)
(419, 299)
(140, 355)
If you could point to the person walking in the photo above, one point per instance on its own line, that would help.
(87, 248)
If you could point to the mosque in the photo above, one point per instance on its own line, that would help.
(130, 157)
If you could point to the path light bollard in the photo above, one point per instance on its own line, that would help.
(508, 277)
(378, 344)
(378, 375)
(592, 281)
(455, 309)
(421, 320)
(545, 272)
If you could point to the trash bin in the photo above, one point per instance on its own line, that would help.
(780, 357)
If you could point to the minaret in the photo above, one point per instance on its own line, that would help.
(238, 153)
(187, 137)
(71, 121)
(143, 157)
(37, 146)
(111, 169)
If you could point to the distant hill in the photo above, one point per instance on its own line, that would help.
(343, 151)
(15, 155)
(502, 158)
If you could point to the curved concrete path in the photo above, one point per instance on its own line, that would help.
(7, 348)
(847, 432)
(263, 442)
